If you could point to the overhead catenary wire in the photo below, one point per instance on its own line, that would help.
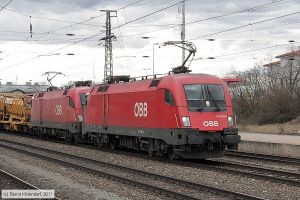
(45, 18)
(92, 36)
(238, 11)
(246, 51)
(171, 25)
(243, 26)
(3, 7)
(213, 17)
(128, 22)
(267, 27)
(67, 21)
(72, 25)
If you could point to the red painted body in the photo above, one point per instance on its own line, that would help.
(54, 106)
(121, 99)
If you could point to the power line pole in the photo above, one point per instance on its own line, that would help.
(108, 66)
(183, 30)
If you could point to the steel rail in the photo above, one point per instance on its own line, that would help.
(252, 171)
(285, 176)
(168, 179)
(263, 157)
(261, 173)
(21, 181)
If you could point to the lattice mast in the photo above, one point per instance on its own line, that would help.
(108, 66)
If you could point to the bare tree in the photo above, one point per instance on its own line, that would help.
(268, 95)
(291, 74)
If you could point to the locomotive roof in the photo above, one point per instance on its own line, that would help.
(59, 93)
(169, 81)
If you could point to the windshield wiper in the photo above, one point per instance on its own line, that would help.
(196, 109)
(211, 98)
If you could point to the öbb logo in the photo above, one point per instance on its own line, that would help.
(210, 123)
(58, 110)
(140, 109)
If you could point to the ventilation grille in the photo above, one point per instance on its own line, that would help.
(154, 83)
(103, 88)
(40, 95)
(65, 92)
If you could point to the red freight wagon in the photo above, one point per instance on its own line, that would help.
(58, 112)
(184, 115)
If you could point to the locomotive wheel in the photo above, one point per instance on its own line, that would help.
(172, 155)
(150, 150)
(66, 137)
(159, 153)
(99, 141)
(76, 138)
(113, 144)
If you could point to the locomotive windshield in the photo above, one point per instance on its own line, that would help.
(205, 97)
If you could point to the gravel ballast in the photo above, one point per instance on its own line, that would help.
(262, 188)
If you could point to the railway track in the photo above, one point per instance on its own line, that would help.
(168, 186)
(285, 160)
(250, 171)
(228, 167)
(16, 182)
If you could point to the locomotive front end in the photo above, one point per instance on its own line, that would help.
(205, 110)
(210, 113)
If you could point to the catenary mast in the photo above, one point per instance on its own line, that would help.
(108, 66)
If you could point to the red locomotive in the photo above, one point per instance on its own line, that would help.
(184, 115)
(58, 113)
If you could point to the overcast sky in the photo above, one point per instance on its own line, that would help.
(26, 58)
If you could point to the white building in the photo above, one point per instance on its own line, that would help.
(286, 71)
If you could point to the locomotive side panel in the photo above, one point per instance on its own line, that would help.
(93, 111)
(55, 110)
(36, 111)
(135, 109)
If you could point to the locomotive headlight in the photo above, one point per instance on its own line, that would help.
(230, 122)
(80, 118)
(186, 121)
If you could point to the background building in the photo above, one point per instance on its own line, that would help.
(286, 71)
(28, 88)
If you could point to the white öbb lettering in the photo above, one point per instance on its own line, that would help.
(58, 110)
(140, 109)
(210, 123)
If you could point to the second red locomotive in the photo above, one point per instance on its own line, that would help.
(58, 113)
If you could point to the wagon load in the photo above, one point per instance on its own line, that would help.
(15, 111)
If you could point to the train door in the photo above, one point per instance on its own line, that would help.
(105, 110)
(41, 111)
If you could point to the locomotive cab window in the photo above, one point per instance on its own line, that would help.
(71, 102)
(205, 97)
(169, 99)
(82, 99)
